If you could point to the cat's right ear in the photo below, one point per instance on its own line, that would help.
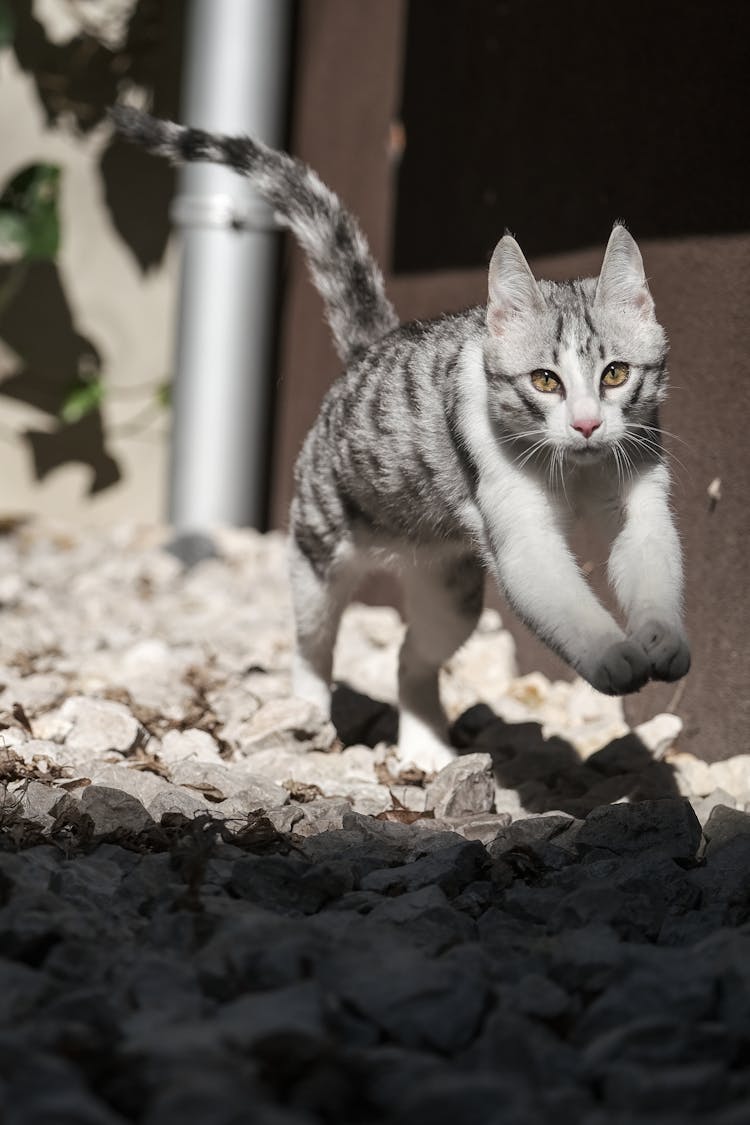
(512, 288)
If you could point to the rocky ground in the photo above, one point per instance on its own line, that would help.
(217, 907)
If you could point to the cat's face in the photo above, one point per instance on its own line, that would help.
(575, 369)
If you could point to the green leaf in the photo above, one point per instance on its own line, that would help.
(29, 221)
(6, 24)
(164, 394)
(82, 398)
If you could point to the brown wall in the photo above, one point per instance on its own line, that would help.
(348, 94)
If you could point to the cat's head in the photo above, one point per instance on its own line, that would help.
(577, 366)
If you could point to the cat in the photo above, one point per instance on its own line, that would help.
(470, 443)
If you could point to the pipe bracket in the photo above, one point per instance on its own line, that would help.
(223, 212)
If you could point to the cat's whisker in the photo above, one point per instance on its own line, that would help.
(629, 463)
(561, 466)
(521, 435)
(529, 451)
(618, 463)
(681, 470)
(524, 458)
(661, 431)
(653, 447)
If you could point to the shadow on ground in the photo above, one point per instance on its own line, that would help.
(547, 773)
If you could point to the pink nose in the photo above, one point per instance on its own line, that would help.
(587, 426)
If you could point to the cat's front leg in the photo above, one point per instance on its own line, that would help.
(538, 574)
(645, 569)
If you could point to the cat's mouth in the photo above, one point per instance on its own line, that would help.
(586, 452)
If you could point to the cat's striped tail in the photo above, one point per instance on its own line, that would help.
(340, 260)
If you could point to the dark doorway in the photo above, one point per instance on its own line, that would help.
(581, 113)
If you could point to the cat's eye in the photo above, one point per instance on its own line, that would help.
(545, 381)
(615, 374)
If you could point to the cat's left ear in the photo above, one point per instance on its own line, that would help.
(622, 280)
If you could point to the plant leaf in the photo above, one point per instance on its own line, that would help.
(29, 221)
(164, 394)
(83, 397)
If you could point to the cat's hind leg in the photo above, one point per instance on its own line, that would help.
(322, 584)
(443, 603)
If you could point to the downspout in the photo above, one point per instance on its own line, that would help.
(235, 82)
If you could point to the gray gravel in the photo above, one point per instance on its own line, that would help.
(215, 906)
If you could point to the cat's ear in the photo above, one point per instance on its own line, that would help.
(512, 288)
(622, 280)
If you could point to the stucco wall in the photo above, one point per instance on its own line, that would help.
(100, 300)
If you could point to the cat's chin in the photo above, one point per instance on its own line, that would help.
(586, 454)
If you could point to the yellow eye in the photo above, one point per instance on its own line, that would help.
(545, 381)
(615, 375)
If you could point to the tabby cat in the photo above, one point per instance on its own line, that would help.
(470, 443)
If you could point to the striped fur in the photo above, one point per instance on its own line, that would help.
(437, 454)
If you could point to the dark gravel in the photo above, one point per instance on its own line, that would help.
(585, 971)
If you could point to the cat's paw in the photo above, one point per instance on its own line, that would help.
(622, 668)
(419, 747)
(666, 648)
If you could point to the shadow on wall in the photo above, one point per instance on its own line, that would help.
(76, 82)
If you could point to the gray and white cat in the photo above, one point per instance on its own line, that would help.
(470, 443)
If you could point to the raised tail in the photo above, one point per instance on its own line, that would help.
(342, 266)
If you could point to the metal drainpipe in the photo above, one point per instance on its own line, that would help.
(236, 77)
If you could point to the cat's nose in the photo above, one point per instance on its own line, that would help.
(586, 426)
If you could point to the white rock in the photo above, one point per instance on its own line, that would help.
(410, 797)
(465, 786)
(233, 703)
(281, 765)
(278, 719)
(356, 762)
(229, 781)
(285, 818)
(12, 587)
(367, 650)
(16, 738)
(38, 752)
(38, 692)
(90, 725)
(113, 809)
(152, 673)
(189, 745)
(173, 799)
(325, 814)
(480, 672)
(660, 733)
(36, 800)
(265, 795)
(368, 799)
(704, 806)
(733, 774)
(582, 716)
(508, 801)
(587, 738)
(142, 784)
(484, 827)
(693, 777)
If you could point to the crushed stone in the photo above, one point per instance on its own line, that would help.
(212, 898)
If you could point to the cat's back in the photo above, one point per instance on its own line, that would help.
(406, 372)
(382, 439)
